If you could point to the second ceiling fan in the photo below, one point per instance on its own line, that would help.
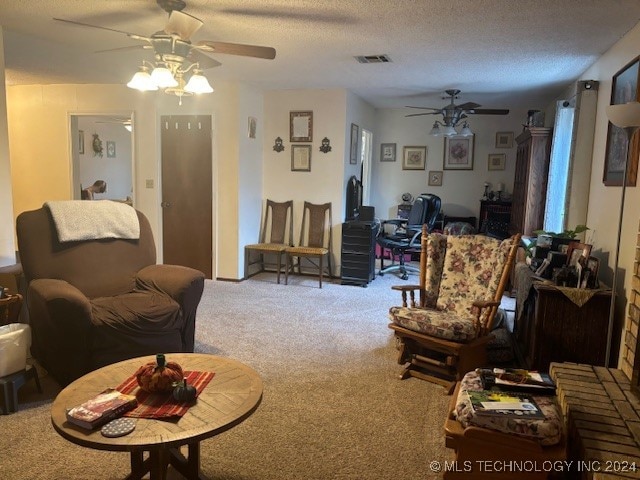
(453, 114)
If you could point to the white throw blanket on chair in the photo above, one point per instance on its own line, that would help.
(89, 220)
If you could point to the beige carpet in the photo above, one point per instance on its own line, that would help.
(333, 407)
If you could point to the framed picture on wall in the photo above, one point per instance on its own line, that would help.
(111, 149)
(300, 158)
(80, 141)
(355, 133)
(301, 126)
(623, 89)
(435, 178)
(388, 152)
(497, 161)
(458, 152)
(251, 127)
(504, 140)
(414, 158)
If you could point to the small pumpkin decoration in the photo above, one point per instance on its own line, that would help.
(183, 392)
(159, 376)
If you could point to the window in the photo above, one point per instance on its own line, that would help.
(559, 168)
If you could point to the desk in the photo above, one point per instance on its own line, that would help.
(552, 328)
(231, 397)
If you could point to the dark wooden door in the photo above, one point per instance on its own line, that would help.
(187, 191)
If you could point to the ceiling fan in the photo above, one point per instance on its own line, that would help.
(175, 54)
(453, 114)
(125, 122)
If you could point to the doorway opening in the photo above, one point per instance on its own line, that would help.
(102, 151)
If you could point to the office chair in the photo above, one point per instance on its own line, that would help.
(406, 236)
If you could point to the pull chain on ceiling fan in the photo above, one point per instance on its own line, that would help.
(453, 114)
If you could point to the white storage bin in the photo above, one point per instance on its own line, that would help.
(15, 341)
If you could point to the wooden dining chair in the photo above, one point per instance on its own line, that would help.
(276, 235)
(315, 241)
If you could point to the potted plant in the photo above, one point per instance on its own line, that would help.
(556, 239)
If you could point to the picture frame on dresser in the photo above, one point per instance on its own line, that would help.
(625, 88)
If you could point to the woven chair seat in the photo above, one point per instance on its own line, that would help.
(307, 250)
(267, 247)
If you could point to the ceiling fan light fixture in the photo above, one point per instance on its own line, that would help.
(163, 77)
(466, 130)
(198, 83)
(142, 81)
(448, 130)
(435, 130)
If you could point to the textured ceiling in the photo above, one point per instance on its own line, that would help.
(500, 53)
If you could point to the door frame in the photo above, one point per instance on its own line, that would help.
(74, 158)
(214, 185)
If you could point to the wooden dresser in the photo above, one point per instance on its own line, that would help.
(530, 180)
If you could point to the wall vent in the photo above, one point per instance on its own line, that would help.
(373, 59)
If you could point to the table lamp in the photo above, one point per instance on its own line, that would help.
(627, 117)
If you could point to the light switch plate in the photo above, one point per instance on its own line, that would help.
(149, 183)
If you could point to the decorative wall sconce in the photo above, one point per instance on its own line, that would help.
(278, 147)
(325, 147)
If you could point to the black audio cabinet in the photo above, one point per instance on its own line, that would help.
(358, 254)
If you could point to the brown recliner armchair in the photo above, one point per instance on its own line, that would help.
(95, 302)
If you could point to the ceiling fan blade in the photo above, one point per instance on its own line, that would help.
(425, 108)
(122, 49)
(203, 61)
(239, 49)
(182, 24)
(488, 111)
(129, 34)
(469, 106)
(419, 114)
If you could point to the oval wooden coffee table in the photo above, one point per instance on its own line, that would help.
(231, 397)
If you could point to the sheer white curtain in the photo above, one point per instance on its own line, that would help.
(556, 203)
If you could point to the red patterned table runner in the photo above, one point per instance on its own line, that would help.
(162, 405)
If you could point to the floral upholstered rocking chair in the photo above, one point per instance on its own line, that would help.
(444, 334)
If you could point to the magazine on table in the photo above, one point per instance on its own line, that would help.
(500, 403)
(517, 380)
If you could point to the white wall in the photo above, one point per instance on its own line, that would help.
(461, 190)
(40, 150)
(116, 171)
(363, 115)
(604, 202)
(324, 183)
(7, 244)
(251, 171)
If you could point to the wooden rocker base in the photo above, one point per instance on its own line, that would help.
(484, 454)
(437, 360)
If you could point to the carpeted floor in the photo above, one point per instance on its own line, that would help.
(333, 407)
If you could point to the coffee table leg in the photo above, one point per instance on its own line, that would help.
(189, 467)
(138, 466)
